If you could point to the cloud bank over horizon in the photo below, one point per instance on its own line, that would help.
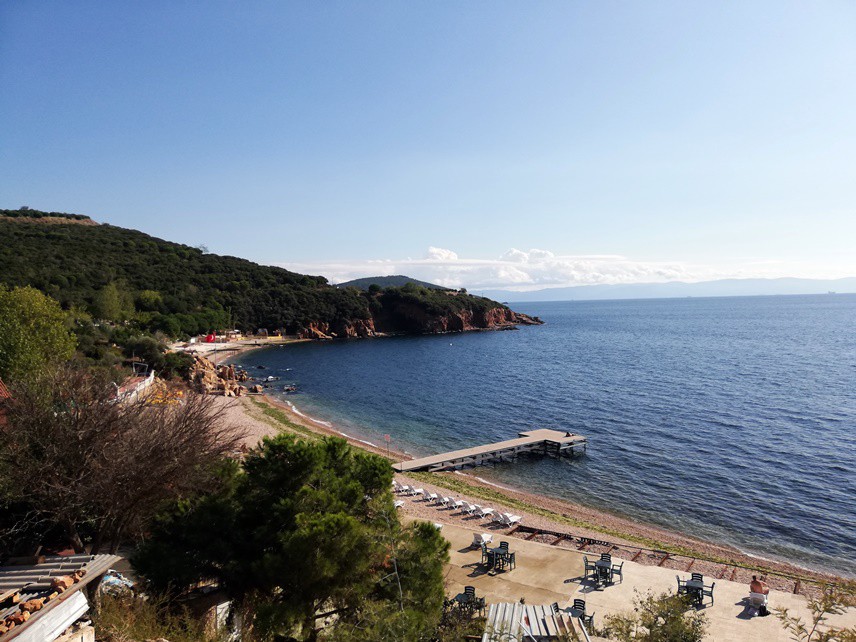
(532, 269)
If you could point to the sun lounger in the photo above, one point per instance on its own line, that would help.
(481, 538)
(471, 509)
(398, 503)
(507, 519)
(457, 504)
(417, 491)
(486, 512)
(404, 489)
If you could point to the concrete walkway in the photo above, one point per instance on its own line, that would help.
(547, 574)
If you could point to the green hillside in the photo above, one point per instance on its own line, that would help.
(126, 276)
(395, 281)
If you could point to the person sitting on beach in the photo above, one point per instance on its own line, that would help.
(758, 586)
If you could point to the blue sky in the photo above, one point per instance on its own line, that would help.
(625, 141)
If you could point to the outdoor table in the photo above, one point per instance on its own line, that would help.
(604, 571)
(695, 589)
(497, 556)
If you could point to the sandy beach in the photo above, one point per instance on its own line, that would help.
(261, 415)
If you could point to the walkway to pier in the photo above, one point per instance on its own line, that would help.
(550, 442)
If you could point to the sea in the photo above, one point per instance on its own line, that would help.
(730, 419)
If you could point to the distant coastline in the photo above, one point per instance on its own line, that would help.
(679, 289)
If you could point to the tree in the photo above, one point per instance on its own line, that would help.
(663, 618)
(98, 468)
(113, 303)
(33, 333)
(305, 530)
(834, 600)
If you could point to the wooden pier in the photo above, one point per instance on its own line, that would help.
(548, 442)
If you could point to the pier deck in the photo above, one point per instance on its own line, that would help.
(555, 442)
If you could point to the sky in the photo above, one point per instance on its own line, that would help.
(477, 144)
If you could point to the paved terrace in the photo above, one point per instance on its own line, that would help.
(547, 574)
(555, 441)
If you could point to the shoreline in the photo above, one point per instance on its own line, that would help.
(624, 534)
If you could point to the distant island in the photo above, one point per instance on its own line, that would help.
(395, 281)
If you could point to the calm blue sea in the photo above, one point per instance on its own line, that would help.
(731, 419)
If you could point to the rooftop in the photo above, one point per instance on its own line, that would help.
(34, 581)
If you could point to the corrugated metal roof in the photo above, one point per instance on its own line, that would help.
(515, 622)
(35, 581)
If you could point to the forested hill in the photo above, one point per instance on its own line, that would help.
(395, 281)
(118, 274)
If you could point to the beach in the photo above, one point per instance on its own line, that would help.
(261, 416)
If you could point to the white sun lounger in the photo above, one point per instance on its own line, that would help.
(486, 512)
(417, 491)
(507, 519)
(481, 538)
(457, 504)
(398, 503)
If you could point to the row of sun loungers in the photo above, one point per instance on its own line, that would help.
(476, 510)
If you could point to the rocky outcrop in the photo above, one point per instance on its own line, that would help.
(223, 380)
(412, 318)
(357, 328)
(415, 319)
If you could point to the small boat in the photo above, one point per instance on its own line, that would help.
(272, 378)
(290, 388)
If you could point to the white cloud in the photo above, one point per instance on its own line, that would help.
(439, 254)
(515, 269)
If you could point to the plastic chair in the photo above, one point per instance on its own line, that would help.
(757, 600)
(697, 577)
(618, 569)
(589, 567)
(580, 608)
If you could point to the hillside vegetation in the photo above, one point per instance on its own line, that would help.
(122, 275)
(394, 281)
